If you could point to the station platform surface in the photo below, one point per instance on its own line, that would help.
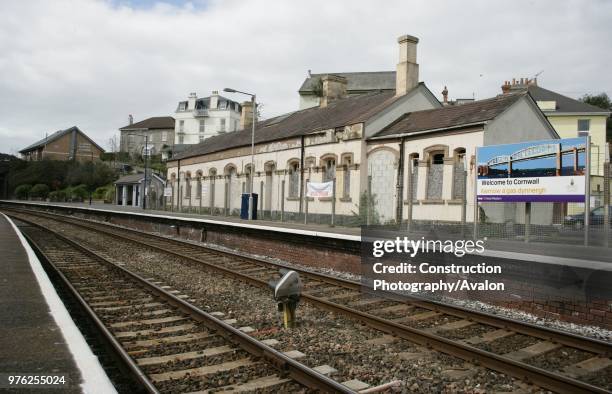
(37, 335)
(353, 233)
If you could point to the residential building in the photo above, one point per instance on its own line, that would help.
(570, 118)
(356, 83)
(200, 118)
(68, 144)
(158, 129)
(377, 142)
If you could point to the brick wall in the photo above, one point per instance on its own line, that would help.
(525, 289)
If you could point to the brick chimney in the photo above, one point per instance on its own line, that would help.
(131, 119)
(506, 87)
(334, 88)
(246, 117)
(445, 96)
(407, 72)
(214, 99)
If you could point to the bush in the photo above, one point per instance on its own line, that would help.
(23, 191)
(39, 190)
(105, 193)
(58, 196)
(78, 193)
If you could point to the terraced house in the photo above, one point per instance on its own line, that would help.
(381, 141)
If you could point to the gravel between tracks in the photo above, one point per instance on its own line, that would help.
(325, 338)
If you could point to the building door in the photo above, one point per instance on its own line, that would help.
(381, 169)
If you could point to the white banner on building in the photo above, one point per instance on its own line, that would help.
(323, 189)
(168, 192)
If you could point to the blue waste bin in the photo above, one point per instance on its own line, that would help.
(244, 206)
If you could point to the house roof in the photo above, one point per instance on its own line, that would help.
(452, 116)
(357, 81)
(55, 136)
(156, 122)
(563, 103)
(338, 113)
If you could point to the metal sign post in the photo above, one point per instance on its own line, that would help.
(606, 198)
(306, 203)
(282, 201)
(333, 213)
(587, 192)
(475, 197)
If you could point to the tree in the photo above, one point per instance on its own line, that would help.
(601, 100)
(23, 191)
(39, 190)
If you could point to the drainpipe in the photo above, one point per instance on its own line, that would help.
(400, 185)
(302, 169)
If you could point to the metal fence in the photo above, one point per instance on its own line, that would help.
(385, 200)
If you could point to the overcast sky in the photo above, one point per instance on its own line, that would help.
(91, 63)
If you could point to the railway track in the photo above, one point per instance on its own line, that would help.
(428, 323)
(168, 344)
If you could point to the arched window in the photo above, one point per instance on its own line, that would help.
(294, 178)
(188, 186)
(328, 166)
(458, 174)
(249, 174)
(347, 161)
(435, 175)
(414, 176)
(199, 185)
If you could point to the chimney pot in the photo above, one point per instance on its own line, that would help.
(445, 95)
(131, 119)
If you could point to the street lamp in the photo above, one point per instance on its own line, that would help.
(146, 155)
(251, 208)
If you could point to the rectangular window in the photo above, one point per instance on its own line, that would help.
(164, 136)
(182, 106)
(584, 126)
(202, 137)
(222, 128)
(181, 139)
(202, 126)
(181, 126)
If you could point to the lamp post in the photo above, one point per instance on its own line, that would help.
(251, 208)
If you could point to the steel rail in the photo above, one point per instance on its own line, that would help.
(538, 376)
(297, 371)
(125, 358)
(546, 333)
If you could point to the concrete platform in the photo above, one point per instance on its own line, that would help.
(592, 257)
(37, 335)
(348, 233)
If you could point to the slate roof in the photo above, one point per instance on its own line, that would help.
(338, 113)
(452, 116)
(564, 103)
(156, 122)
(357, 81)
(136, 178)
(56, 135)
